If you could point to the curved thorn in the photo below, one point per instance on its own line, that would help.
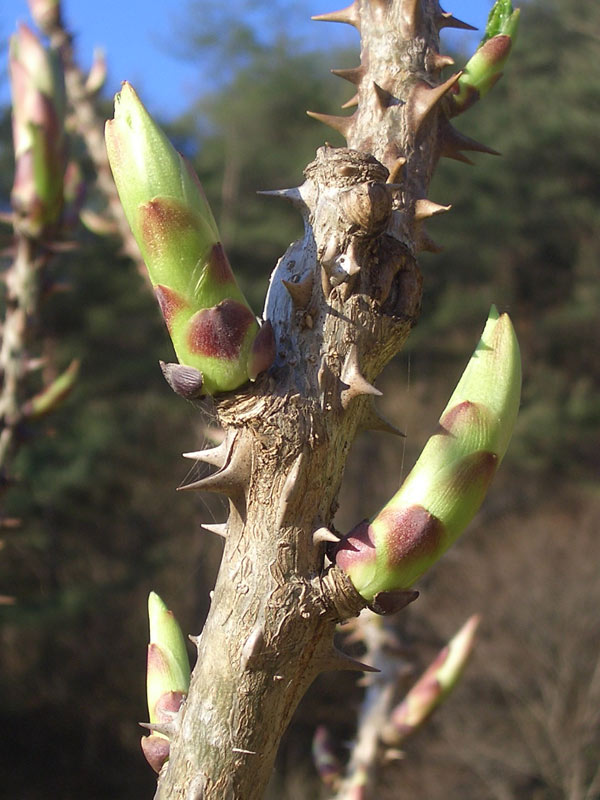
(425, 208)
(352, 378)
(324, 535)
(220, 528)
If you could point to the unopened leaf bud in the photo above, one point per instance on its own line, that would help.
(210, 323)
(448, 483)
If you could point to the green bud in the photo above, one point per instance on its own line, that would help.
(38, 132)
(448, 483)
(211, 325)
(434, 686)
(484, 68)
(168, 675)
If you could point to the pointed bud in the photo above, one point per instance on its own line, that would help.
(434, 686)
(168, 676)
(211, 325)
(448, 483)
(38, 132)
(484, 69)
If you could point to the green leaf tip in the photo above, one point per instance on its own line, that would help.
(502, 20)
(211, 325)
(448, 483)
(484, 68)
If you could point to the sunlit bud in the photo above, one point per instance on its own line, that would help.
(168, 663)
(211, 325)
(447, 485)
(484, 68)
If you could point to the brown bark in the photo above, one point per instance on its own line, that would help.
(342, 302)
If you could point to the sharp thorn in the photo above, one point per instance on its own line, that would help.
(301, 292)
(447, 20)
(425, 208)
(424, 99)
(291, 195)
(348, 15)
(353, 74)
(384, 98)
(336, 659)
(352, 102)
(167, 729)
(340, 124)
(220, 528)
(324, 535)
(217, 456)
(373, 421)
(231, 479)
(351, 377)
(454, 141)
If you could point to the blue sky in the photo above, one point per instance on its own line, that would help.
(135, 35)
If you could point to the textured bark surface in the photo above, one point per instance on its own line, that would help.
(342, 301)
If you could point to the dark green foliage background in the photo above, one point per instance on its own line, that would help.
(102, 524)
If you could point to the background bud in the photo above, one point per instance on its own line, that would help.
(38, 98)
